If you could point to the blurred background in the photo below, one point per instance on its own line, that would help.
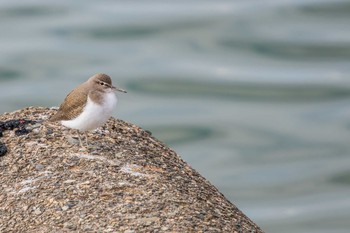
(255, 95)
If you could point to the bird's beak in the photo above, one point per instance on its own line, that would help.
(118, 89)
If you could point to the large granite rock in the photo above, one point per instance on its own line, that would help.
(125, 181)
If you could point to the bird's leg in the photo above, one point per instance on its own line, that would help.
(80, 142)
(86, 139)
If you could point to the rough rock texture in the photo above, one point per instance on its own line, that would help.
(125, 181)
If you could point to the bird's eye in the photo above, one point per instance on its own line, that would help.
(101, 83)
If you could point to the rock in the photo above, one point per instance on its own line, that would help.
(39, 167)
(129, 231)
(69, 226)
(128, 182)
(37, 211)
(3, 149)
(72, 140)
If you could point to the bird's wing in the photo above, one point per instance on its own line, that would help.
(71, 106)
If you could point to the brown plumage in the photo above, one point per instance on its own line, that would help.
(72, 105)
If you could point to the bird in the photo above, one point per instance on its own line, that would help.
(89, 105)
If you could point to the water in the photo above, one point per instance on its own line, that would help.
(253, 94)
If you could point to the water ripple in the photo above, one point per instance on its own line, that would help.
(6, 74)
(334, 9)
(292, 50)
(240, 90)
(30, 11)
(182, 133)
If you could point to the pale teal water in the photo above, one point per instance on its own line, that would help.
(253, 94)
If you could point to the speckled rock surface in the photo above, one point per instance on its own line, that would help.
(125, 181)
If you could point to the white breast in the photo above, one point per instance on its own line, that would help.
(93, 115)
